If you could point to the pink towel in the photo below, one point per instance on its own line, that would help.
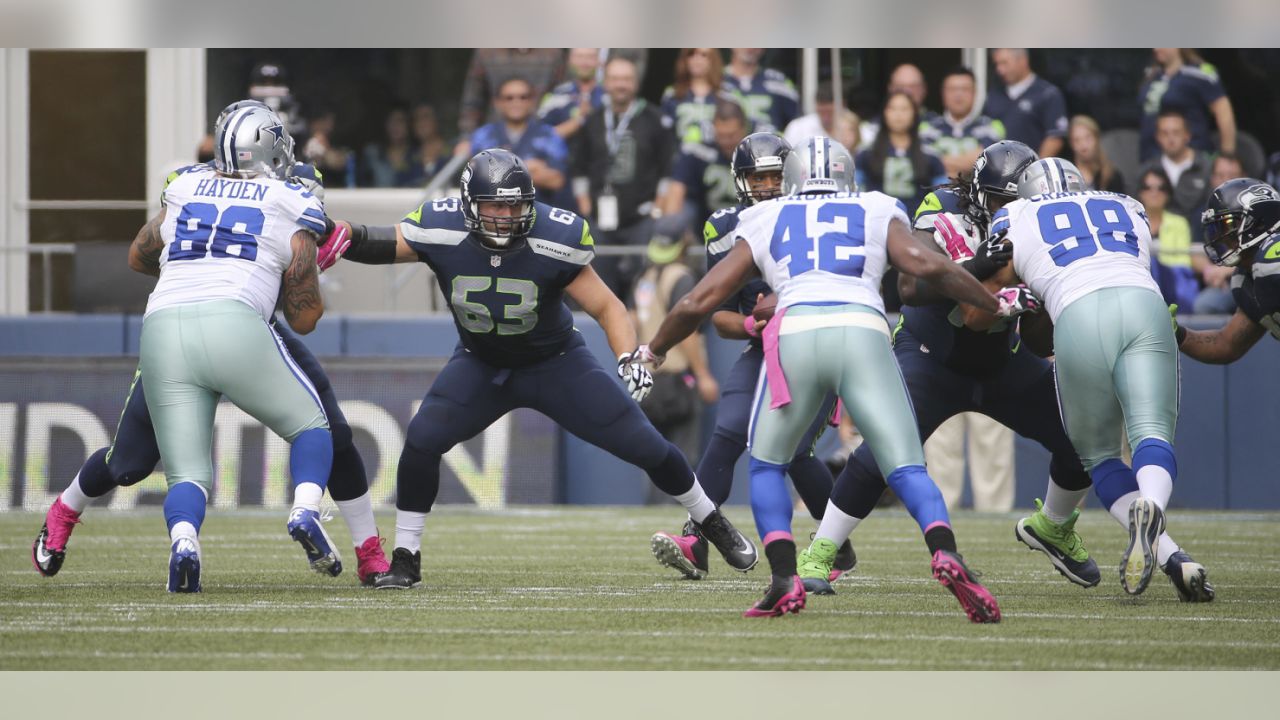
(956, 245)
(836, 413)
(773, 364)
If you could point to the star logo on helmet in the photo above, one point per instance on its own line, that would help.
(277, 130)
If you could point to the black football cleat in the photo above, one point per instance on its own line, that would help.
(405, 572)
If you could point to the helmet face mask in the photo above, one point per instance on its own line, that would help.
(251, 141)
(995, 177)
(757, 157)
(497, 198)
(1240, 215)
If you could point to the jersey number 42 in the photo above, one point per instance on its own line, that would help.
(834, 251)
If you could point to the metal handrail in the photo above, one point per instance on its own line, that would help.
(82, 204)
(46, 267)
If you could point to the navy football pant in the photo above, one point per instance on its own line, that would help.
(571, 389)
(715, 471)
(134, 453)
(1021, 396)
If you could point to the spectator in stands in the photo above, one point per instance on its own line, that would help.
(1088, 154)
(621, 154)
(1188, 169)
(897, 163)
(1031, 108)
(905, 78)
(432, 150)
(1171, 245)
(702, 174)
(1181, 81)
(768, 96)
(824, 121)
(393, 162)
(684, 382)
(1215, 298)
(960, 133)
(269, 84)
(690, 102)
(337, 163)
(534, 141)
(568, 104)
(542, 68)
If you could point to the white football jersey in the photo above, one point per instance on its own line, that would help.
(822, 248)
(1067, 245)
(230, 239)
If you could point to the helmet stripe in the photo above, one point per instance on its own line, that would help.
(1062, 174)
(229, 142)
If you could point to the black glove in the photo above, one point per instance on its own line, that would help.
(990, 255)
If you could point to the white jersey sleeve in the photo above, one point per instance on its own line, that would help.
(230, 238)
(1067, 245)
(823, 248)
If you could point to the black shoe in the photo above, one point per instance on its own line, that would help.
(846, 560)
(1189, 578)
(736, 549)
(405, 571)
(686, 552)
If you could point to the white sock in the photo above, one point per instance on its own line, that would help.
(358, 515)
(1060, 502)
(1156, 483)
(409, 527)
(1120, 508)
(306, 495)
(1166, 548)
(74, 497)
(183, 529)
(836, 525)
(696, 502)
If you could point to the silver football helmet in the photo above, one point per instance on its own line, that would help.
(820, 166)
(250, 140)
(1050, 175)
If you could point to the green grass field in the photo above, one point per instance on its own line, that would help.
(563, 588)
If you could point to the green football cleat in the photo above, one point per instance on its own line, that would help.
(1061, 543)
(815, 566)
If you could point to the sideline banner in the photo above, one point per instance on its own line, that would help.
(55, 412)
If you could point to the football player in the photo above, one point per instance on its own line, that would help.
(505, 263)
(134, 454)
(757, 175)
(824, 249)
(229, 241)
(950, 368)
(1087, 254)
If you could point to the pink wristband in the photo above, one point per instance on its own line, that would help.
(749, 324)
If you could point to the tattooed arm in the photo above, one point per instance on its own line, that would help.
(300, 289)
(1222, 346)
(144, 254)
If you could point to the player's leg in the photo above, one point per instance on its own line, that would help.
(937, 393)
(876, 395)
(1023, 397)
(182, 409)
(1147, 383)
(132, 456)
(810, 368)
(813, 481)
(467, 396)
(575, 392)
(348, 483)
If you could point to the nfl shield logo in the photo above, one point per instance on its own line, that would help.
(495, 260)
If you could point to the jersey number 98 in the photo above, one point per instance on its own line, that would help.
(1064, 221)
(198, 222)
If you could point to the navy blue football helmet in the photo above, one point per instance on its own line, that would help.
(995, 176)
(498, 176)
(758, 152)
(1241, 213)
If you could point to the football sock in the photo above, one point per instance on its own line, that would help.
(696, 502)
(307, 495)
(770, 498)
(358, 515)
(311, 458)
(1120, 511)
(184, 506)
(813, 483)
(74, 497)
(1060, 502)
(780, 549)
(1157, 467)
(916, 490)
(837, 525)
(409, 525)
(940, 537)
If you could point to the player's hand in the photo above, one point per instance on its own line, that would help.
(1015, 301)
(334, 245)
(992, 254)
(633, 372)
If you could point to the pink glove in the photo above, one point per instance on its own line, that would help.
(333, 247)
(749, 324)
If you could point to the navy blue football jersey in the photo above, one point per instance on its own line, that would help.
(1257, 289)
(508, 304)
(717, 235)
(940, 327)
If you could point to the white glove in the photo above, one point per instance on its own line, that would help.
(638, 378)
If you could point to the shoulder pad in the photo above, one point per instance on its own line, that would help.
(1266, 262)
(940, 200)
(718, 226)
(435, 222)
(562, 235)
(198, 167)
